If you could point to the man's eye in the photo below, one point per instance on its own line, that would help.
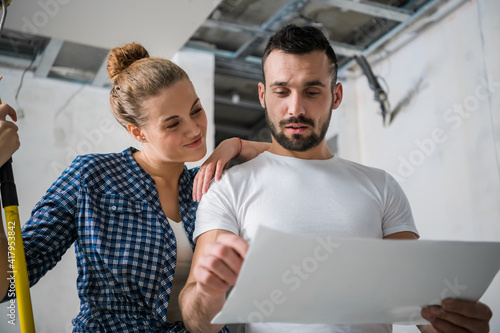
(312, 93)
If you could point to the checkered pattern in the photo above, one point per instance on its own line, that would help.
(108, 206)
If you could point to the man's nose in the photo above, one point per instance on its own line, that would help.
(295, 105)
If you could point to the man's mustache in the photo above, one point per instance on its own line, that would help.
(299, 119)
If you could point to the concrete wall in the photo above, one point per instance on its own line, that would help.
(62, 120)
(444, 144)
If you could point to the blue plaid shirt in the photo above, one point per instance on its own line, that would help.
(126, 251)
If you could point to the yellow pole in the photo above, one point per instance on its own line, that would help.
(17, 260)
(17, 265)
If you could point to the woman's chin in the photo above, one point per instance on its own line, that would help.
(196, 156)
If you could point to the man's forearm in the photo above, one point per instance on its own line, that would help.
(198, 309)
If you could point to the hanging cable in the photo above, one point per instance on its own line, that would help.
(20, 112)
(4, 14)
(380, 94)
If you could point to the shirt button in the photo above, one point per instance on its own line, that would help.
(113, 207)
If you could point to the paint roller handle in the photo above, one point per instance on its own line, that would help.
(7, 185)
(10, 203)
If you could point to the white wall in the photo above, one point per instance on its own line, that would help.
(444, 146)
(200, 67)
(60, 121)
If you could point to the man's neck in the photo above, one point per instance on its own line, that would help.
(320, 152)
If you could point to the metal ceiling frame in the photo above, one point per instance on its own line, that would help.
(277, 19)
(49, 56)
(241, 63)
(371, 8)
(243, 55)
(242, 58)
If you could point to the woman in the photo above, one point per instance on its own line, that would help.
(131, 214)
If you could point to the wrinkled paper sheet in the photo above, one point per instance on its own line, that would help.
(295, 279)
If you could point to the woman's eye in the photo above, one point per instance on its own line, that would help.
(173, 125)
(197, 111)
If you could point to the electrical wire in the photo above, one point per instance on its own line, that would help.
(20, 112)
(4, 14)
(73, 95)
(387, 88)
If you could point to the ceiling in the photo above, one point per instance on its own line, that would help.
(234, 30)
(237, 32)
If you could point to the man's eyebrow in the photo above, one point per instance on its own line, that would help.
(307, 84)
(314, 83)
(279, 84)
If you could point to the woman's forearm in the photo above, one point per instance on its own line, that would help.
(251, 149)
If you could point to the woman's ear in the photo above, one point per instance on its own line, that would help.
(136, 133)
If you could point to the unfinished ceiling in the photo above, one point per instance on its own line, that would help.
(236, 31)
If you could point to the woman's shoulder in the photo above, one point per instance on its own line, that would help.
(101, 167)
(104, 161)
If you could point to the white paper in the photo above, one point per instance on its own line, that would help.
(294, 279)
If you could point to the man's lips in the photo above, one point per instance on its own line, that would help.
(296, 128)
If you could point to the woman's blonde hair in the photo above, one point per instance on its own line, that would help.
(136, 77)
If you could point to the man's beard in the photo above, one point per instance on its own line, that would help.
(298, 142)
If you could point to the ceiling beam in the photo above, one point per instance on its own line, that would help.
(371, 8)
(238, 68)
(218, 52)
(397, 30)
(246, 29)
(48, 57)
(344, 49)
(101, 78)
(20, 63)
(280, 17)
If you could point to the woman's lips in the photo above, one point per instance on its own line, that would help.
(196, 143)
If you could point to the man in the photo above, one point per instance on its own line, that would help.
(298, 186)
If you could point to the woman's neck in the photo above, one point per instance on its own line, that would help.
(168, 173)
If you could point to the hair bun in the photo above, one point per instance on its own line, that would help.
(120, 58)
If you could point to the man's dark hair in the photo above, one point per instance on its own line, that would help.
(292, 39)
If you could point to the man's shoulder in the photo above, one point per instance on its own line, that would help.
(358, 169)
(248, 166)
(359, 166)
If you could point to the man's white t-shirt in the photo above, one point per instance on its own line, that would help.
(317, 198)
